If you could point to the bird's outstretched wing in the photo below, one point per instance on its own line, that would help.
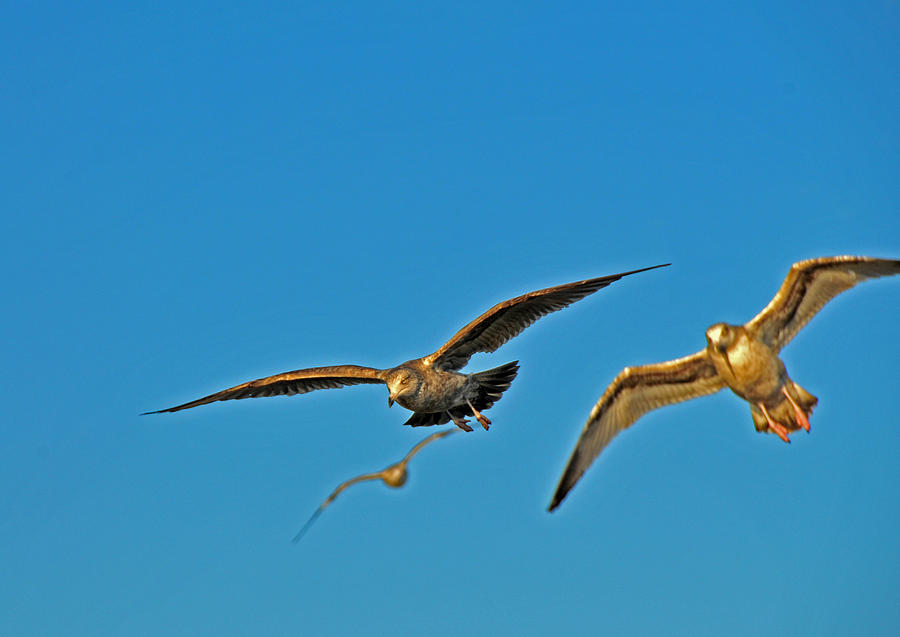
(634, 392)
(330, 499)
(808, 287)
(506, 320)
(300, 381)
(429, 439)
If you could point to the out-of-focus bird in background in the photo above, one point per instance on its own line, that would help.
(393, 476)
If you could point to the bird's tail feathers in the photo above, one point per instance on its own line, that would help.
(493, 382)
(783, 411)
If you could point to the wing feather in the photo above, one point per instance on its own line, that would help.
(427, 419)
(421, 445)
(334, 494)
(507, 319)
(300, 381)
(807, 288)
(634, 392)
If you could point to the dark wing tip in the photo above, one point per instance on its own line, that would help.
(566, 482)
(306, 527)
(558, 497)
(610, 278)
(652, 267)
(165, 411)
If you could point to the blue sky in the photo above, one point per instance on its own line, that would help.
(196, 195)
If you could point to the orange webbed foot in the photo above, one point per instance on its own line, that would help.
(462, 423)
(776, 428)
(801, 417)
(780, 431)
(480, 417)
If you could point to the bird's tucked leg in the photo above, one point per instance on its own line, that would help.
(460, 422)
(777, 428)
(481, 418)
(801, 417)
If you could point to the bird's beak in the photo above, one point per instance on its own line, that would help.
(724, 352)
(390, 401)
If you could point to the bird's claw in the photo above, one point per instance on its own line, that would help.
(462, 423)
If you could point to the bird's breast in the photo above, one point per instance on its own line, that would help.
(755, 372)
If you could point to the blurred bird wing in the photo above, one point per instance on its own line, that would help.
(349, 483)
(507, 319)
(421, 445)
(331, 498)
(808, 287)
(300, 381)
(634, 392)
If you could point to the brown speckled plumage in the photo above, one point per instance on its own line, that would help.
(743, 358)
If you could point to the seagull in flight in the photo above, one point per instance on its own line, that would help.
(743, 358)
(394, 476)
(432, 387)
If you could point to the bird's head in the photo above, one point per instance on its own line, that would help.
(403, 382)
(720, 336)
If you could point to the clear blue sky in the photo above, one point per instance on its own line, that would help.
(199, 194)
